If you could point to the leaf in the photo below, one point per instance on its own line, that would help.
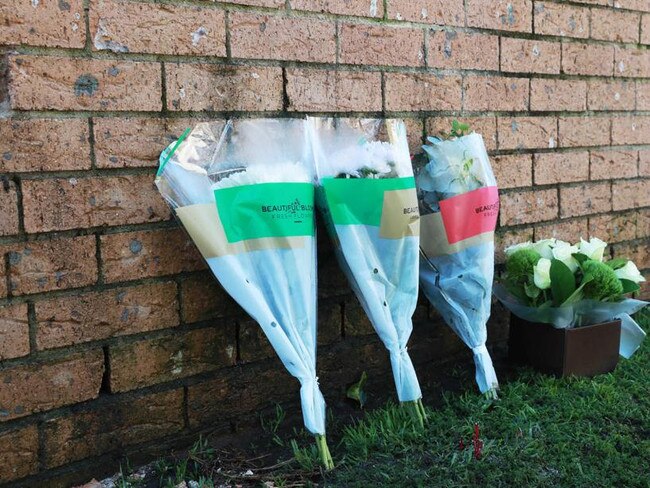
(629, 286)
(576, 295)
(616, 263)
(563, 283)
(578, 256)
(532, 291)
(356, 391)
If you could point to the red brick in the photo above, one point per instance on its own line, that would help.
(430, 11)
(56, 83)
(644, 162)
(203, 298)
(19, 449)
(643, 224)
(223, 88)
(513, 171)
(45, 23)
(639, 253)
(238, 391)
(414, 134)
(527, 132)
(613, 164)
(260, 3)
(504, 238)
(610, 95)
(143, 254)
(111, 427)
(584, 131)
(135, 142)
(8, 207)
(43, 145)
(527, 56)
(631, 194)
(121, 26)
(556, 19)
(566, 230)
(612, 25)
(67, 203)
(52, 264)
(421, 91)
(460, 50)
(525, 207)
(558, 95)
(613, 228)
(561, 167)
(100, 315)
(596, 2)
(340, 7)
(172, 356)
(632, 62)
(253, 343)
(631, 130)
(14, 331)
(645, 29)
(42, 386)
(642, 95)
(333, 91)
(585, 199)
(513, 15)
(378, 45)
(254, 36)
(486, 126)
(492, 93)
(587, 59)
(641, 5)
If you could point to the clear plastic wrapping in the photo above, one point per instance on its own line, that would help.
(367, 194)
(245, 195)
(459, 204)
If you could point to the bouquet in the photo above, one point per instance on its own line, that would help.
(367, 194)
(459, 203)
(245, 195)
(571, 285)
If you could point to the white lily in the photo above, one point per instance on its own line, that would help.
(629, 272)
(545, 247)
(594, 249)
(542, 274)
(518, 247)
(563, 251)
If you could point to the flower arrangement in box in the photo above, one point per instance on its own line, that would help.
(572, 286)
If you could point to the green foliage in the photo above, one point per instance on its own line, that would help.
(356, 391)
(563, 282)
(542, 432)
(520, 265)
(272, 425)
(601, 281)
(458, 129)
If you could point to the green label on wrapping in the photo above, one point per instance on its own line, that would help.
(361, 200)
(266, 210)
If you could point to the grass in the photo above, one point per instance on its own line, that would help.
(542, 432)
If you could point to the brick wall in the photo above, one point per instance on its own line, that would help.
(113, 337)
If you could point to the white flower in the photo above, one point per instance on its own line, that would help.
(594, 249)
(542, 274)
(545, 247)
(518, 247)
(563, 252)
(629, 272)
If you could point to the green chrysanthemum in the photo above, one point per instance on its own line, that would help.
(520, 264)
(603, 284)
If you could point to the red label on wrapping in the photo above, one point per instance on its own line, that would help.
(470, 214)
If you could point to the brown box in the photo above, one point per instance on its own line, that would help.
(583, 351)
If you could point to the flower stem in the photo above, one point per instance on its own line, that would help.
(324, 452)
(415, 412)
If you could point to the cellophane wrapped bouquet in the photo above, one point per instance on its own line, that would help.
(459, 204)
(572, 285)
(245, 195)
(366, 192)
